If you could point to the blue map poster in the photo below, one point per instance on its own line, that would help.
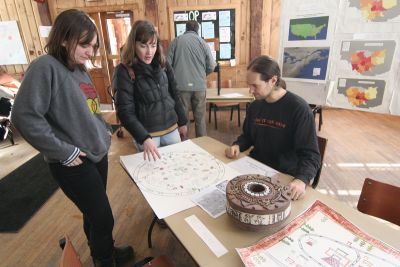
(306, 63)
(314, 28)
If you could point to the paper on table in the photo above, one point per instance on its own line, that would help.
(319, 237)
(232, 95)
(247, 165)
(183, 170)
(202, 231)
(213, 199)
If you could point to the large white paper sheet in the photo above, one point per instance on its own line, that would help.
(320, 237)
(183, 170)
(248, 165)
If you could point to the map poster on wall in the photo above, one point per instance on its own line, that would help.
(361, 94)
(313, 28)
(11, 47)
(183, 170)
(369, 16)
(305, 63)
(320, 237)
(367, 58)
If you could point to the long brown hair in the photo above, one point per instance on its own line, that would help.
(142, 31)
(267, 67)
(71, 27)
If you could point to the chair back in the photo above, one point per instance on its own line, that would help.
(380, 200)
(224, 84)
(212, 84)
(160, 261)
(69, 257)
(322, 142)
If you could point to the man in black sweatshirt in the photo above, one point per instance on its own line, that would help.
(280, 126)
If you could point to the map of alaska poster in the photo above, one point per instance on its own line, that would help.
(305, 63)
(320, 237)
(366, 58)
(314, 28)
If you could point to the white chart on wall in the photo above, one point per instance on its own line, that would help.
(183, 170)
(11, 47)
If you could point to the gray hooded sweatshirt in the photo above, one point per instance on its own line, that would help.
(57, 111)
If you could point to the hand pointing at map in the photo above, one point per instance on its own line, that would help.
(150, 150)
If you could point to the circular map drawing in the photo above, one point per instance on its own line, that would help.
(179, 173)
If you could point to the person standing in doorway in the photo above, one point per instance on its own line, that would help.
(191, 58)
(57, 111)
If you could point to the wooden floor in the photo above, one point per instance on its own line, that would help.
(359, 145)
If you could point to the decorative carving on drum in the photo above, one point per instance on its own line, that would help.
(255, 201)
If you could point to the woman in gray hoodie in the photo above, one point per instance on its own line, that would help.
(57, 111)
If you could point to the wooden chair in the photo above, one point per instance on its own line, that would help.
(69, 257)
(215, 106)
(118, 126)
(380, 200)
(322, 142)
(160, 261)
(317, 109)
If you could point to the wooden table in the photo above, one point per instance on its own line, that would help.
(229, 95)
(232, 237)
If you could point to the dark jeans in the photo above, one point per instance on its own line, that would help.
(85, 185)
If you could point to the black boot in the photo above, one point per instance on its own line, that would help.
(123, 254)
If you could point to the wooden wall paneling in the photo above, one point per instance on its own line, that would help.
(241, 79)
(275, 28)
(33, 27)
(266, 31)
(256, 9)
(203, 3)
(163, 20)
(151, 11)
(183, 3)
(80, 3)
(41, 19)
(66, 4)
(242, 22)
(44, 13)
(52, 8)
(5, 17)
(191, 2)
(25, 32)
(13, 15)
(122, 2)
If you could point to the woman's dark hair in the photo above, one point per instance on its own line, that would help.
(192, 25)
(268, 68)
(142, 31)
(71, 27)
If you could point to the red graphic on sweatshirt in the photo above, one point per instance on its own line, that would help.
(92, 98)
(270, 123)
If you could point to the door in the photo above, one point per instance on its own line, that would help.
(114, 28)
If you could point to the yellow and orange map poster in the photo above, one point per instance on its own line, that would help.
(377, 10)
(320, 237)
(366, 58)
(371, 16)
